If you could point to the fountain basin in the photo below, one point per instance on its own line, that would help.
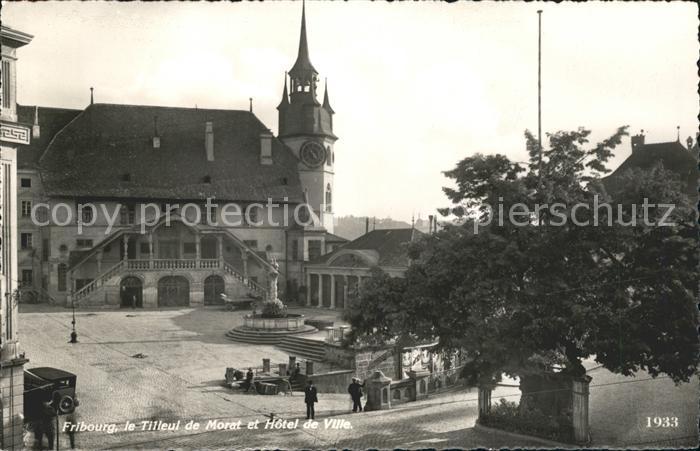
(291, 322)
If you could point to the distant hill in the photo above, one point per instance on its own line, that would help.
(351, 227)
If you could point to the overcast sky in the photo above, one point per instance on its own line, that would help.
(416, 86)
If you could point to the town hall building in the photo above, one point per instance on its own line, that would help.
(161, 180)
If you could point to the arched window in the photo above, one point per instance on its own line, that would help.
(329, 198)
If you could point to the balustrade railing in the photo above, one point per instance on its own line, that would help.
(161, 264)
(174, 264)
(255, 287)
(137, 264)
(98, 282)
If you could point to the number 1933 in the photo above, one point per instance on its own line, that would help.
(662, 422)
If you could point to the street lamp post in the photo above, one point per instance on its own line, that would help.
(73, 334)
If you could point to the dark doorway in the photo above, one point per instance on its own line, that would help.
(213, 288)
(173, 291)
(131, 291)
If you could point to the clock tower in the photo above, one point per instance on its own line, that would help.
(306, 127)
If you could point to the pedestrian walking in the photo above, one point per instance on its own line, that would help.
(133, 302)
(355, 390)
(310, 398)
(45, 426)
(71, 419)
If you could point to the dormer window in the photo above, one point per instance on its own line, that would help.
(266, 148)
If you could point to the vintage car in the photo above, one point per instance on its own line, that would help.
(50, 385)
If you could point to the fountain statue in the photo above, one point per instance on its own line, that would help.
(272, 280)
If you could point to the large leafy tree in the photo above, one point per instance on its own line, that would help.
(550, 287)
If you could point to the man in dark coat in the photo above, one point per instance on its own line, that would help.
(46, 425)
(310, 397)
(355, 390)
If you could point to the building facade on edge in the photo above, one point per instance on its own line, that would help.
(12, 136)
(189, 203)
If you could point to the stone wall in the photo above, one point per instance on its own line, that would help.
(365, 361)
(12, 403)
(384, 360)
(333, 382)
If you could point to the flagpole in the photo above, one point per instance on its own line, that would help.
(539, 93)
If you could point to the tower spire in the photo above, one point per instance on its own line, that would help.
(326, 102)
(285, 96)
(302, 67)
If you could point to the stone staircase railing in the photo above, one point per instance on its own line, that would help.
(98, 282)
(253, 286)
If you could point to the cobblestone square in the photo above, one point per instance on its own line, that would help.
(180, 378)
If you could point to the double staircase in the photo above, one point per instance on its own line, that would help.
(97, 285)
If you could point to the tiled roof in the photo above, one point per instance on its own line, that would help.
(332, 238)
(93, 155)
(390, 245)
(51, 121)
(674, 156)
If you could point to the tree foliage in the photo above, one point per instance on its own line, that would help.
(521, 298)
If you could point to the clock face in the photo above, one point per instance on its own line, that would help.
(312, 154)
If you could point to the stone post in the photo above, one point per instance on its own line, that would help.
(308, 289)
(580, 392)
(198, 248)
(98, 257)
(309, 368)
(484, 399)
(345, 291)
(282, 369)
(332, 291)
(266, 366)
(125, 243)
(329, 334)
(378, 387)
(150, 250)
(244, 258)
(420, 383)
(221, 250)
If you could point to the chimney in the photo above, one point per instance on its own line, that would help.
(367, 225)
(637, 141)
(209, 140)
(266, 148)
(156, 134)
(36, 130)
(430, 223)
